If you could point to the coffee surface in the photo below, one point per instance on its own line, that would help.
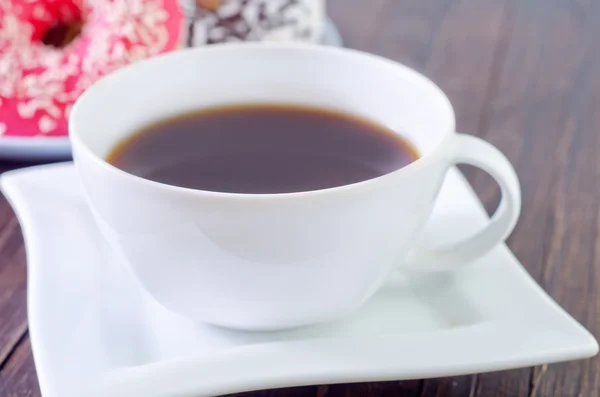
(261, 149)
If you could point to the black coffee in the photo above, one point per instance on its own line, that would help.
(262, 149)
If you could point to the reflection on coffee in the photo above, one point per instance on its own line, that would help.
(262, 149)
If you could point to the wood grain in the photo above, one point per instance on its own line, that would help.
(18, 378)
(544, 115)
(375, 389)
(13, 317)
(522, 74)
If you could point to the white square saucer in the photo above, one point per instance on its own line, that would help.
(94, 331)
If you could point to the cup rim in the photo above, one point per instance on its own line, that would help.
(78, 143)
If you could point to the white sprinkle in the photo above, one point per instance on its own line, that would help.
(68, 109)
(3, 128)
(24, 110)
(229, 9)
(46, 124)
(250, 15)
(200, 33)
(39, 12)
(218, 33)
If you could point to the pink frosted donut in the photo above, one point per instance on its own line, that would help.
(52, 50)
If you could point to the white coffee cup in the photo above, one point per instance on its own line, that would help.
(274, 261)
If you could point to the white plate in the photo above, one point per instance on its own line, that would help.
(95, 332)
(35, 148)
(57, 148)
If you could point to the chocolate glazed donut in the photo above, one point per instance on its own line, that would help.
(218, 21)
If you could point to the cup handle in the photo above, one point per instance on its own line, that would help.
(467, 149)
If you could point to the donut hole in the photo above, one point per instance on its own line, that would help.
(62, 34)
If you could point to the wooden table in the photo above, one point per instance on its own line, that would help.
(523, 74)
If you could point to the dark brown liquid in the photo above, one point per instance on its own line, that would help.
(262, 149)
